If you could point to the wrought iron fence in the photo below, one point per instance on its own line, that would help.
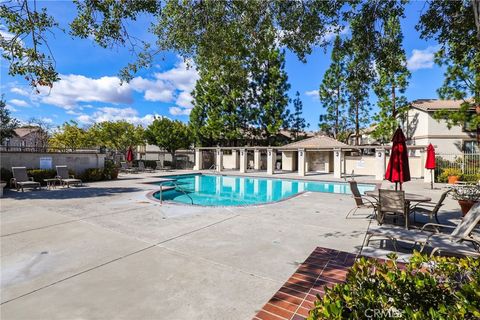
(466, 163)
(14, 148)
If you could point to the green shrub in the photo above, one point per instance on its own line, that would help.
(6, 175)
(92, 174)
(40, 174)
(443, 177)
(148, 163)
(110, 170)
(470, 177)
(426, 288)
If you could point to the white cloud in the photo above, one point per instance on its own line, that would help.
(422, 59)
(182, 77)
(20, 91)
(176, 111)
(154, 90)
(72, 89)
(184, 99)
(11, 108)
(116, 114)
(312, 93)
(18, 102)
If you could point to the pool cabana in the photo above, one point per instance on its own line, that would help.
(318, 154)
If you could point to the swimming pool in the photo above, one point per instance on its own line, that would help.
(220, 190)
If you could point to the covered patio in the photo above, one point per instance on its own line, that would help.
(315, 155)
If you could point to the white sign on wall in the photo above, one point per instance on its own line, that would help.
(45, 162)
(361, 164)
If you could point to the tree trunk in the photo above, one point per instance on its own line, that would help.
(337, 111)
(394, 107)
(357, 124)
(476, 14)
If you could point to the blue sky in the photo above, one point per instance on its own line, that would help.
(90, 92)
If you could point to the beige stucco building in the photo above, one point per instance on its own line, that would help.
(421, 128)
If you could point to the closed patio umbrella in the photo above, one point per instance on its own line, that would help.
(398, 170)
(129, 157)
(430, 162)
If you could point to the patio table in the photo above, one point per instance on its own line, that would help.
(409, 198)
(52, 183)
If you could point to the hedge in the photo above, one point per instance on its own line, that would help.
(425, 288)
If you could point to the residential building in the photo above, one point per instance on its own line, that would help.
(422, 129)
(27, 137)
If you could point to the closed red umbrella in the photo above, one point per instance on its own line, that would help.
(398, 170)
(129, 155)
(430, 162)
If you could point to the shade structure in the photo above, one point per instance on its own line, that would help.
(129, 157)
(398, 170)
(430, 163)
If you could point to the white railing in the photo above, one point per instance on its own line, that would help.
(467, 163)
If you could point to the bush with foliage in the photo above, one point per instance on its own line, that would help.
(5, 175)
(425, 288)
(443, 177)
(92, 174)
(474, 177)
(110, 170)
(40, 175)
(148, 163)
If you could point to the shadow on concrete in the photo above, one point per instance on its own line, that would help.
(69, 193)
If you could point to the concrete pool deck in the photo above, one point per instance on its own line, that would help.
(105, 251)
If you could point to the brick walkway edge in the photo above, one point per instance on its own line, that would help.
(324, 267)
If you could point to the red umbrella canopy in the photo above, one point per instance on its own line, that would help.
(430, 163)
(130, 155)
(398, 169)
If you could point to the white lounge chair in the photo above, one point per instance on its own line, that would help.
(21, 180)
(65, 178)
(453, 243)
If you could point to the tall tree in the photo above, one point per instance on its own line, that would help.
(392, 79)
(296, 122)
(170, 135)
(455, 25)
(117, 135)
(270, 91)
(358, 84)
(8, 124)
(332, 92)
(70, 136)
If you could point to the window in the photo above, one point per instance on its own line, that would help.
(470, 146)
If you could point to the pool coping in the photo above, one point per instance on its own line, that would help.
(150, 195)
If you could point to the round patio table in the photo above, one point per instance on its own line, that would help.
(409, 198)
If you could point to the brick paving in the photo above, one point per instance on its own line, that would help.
(324, 267)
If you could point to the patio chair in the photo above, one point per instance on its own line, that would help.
(361, 201)
(65, 178)
(390, 202)
(142, 168)
(125, 168)
(430, 208)
(453, 243)
(160, 166)
(21, 180)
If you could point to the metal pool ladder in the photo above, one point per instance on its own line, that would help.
(177, 187)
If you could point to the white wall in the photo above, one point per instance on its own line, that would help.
(362, 165)
(229, 160)
(77, 162)
(289, 160)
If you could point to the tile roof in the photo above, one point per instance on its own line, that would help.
(24, 131)
(316, 142)
(435, 104)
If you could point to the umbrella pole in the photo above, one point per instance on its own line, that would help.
(431, 178)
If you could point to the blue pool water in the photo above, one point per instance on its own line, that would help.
(218, 190)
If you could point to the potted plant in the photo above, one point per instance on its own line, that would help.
(467, 196)
(452, 174)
